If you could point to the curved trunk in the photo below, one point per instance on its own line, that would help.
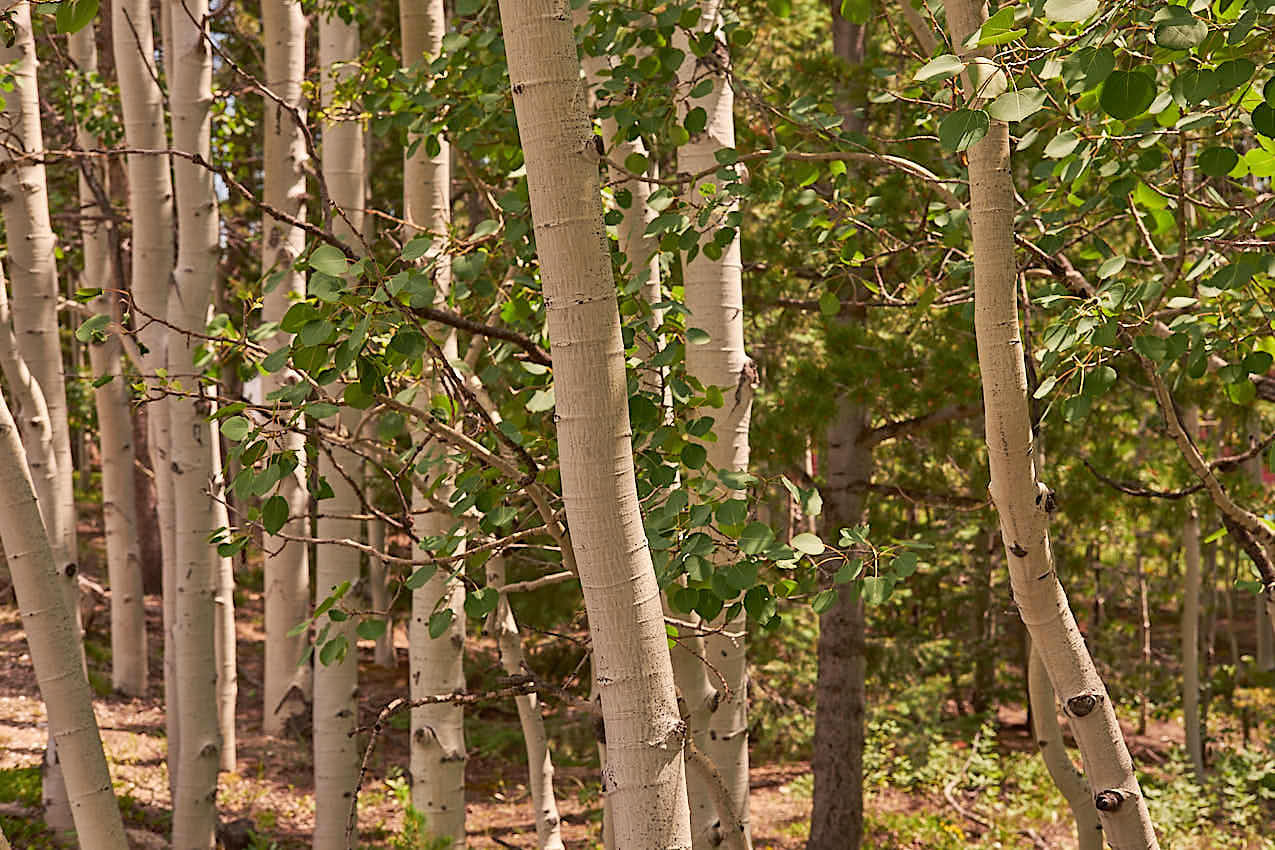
(1018, 495)
(645, 774)
(539, 763)
(287, 571)
(55, 650)
(150, 205)
(190, 81)
(714, 296)
(115, 427)
(1053, 751)
(336, 684)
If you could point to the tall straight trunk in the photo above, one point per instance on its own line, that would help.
(190, 89)
(379, 593)
(539, 763)
(646, 777)
(1229, 599)
(1053, 751)
(1017, 493)
(150, 205)
(1190, 629)
(225, 647)
(984, 625)
(1265, 600)
(1144, 639)
(840, 697)
(287, 571)
(437, 731)
(336, 684)
(115, 427)
(714, 296)
(52, 639)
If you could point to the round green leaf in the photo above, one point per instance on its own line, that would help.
(963, 128)
(1264, 120)
(1234, 73)
(756, 538)
(808, 543)
(1070, 10)
(1217, 161)
(236, 428)
(329, 260)
(274, 514)
(940, 68)
(1126, 94)
(1061, 146)
(1017, 105)
(1181, 31)
(1197, 85)
(694, 455)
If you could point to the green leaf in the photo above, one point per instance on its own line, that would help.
(1062, 145)
(697, 336)
(1264, 120)
(963, 128)
(857, 11)
(756, 538)
(417, 247)
(808, 543)
(274, 514)
(1017, 105)
(92, 327)
(876, 589)
(732, 512)
(1126, 94)
(482, 602)
(696, 121)
(1234, 73)
(1070, 11)
(333, 652)
(939, 68)
(905, 564)
(636, 163)
(694, 455)
(371, 629)
(321, 410)
(997, 29)
(1217, 161)
(75, 15)
(1112, 266)
(540, 401)
(439, 621)
(829, 304)
(329, 260)
(824, 599)
(236, 428)
(1181, 30)
(486, 227)
(418, 579)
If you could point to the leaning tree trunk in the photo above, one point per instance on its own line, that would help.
(1191, 622)
(336, 684)
(150, 205)
(1022, 501)
(714, 296)
(1053, 751)
(435, 662)
(644, 733)
(55, 650)
(190, 89)
(115, 426)
(286, 565)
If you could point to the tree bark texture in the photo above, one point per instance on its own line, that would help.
(645, 773)
(1021, 500)
(55, 649)
(225, 647)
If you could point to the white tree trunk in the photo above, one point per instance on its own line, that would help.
(51, 637)
(714, 296)
(225, 642)
(1190, 630)
(379, 595)
(190, 90)
(1020, 499)
(1053, 751)
(150, 204)
(287, 571)
(1265, 601)
(539, 762)
(646, 777)
(119, 507)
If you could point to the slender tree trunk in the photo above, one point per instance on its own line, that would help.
(55, 653)
(1266, 599)
(190, 88)
(1070, 781)
(714, 296)
(840, 697)
(384, 655)
(644, 732)
(1229, 595)
(539, 763)
(225, 646)
(1019, 497)
(1190, 629)
(150, 203)
(1144, 639)
(984, 625)
(115, 427)
(336, 684)
(436, 661)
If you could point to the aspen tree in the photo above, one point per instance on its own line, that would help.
(1053, 751)
(336, 679)
(150, 207)
(1190, 629)
(1023, 502)
(435, 654)
(190, 91)
(379, 595)
(115, 428)
(52, 638)
(714, 296)
(287, 573)
(645, 773)
(225, 642)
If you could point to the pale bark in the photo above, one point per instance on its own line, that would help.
(1266, 601)
(539, 762)
(1049, 738)
(645, 773)
(190, 88)
(379, 593)
(1190, 630)
(437, 731)
(1020, 499)
(1144, 638)
(52, 639)
(714, 296)
(225, 646)
(336, 684)
(115, 427)
(150, 204)
(287, 571)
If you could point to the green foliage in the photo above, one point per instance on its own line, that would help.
(415, 834)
